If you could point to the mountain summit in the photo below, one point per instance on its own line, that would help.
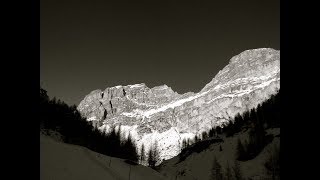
(160, 115)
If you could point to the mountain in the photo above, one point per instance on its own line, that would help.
(160, 115)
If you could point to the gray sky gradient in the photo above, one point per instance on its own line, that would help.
(95, 44)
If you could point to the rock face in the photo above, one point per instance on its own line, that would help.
(160, 115)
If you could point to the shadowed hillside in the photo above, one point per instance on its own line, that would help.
(246, 148)
(57, 116)
(62, 161)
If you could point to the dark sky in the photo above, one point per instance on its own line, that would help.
(95, 44)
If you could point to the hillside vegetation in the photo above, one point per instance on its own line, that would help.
(246, 148)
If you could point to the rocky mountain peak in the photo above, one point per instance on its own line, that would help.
(161, 115)
(248, 65)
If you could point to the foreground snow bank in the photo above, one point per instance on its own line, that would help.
(61, 161)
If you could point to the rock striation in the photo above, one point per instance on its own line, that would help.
(160, 115)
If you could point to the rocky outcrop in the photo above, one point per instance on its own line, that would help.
(161, 115)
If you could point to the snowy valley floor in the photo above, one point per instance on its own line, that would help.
(60, 161)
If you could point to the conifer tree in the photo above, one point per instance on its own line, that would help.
(211, 132)
(153, 155)
(142, 154)
(130, 150)
(184, 144)
(218, 130)
(188, 142)
(204, 135)
(156, 154)
(196, 139)
(151, 161)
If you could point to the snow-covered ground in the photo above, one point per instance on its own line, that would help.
(198, 165)
(61, 161)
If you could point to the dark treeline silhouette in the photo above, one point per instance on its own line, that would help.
(212, 133)
(197, 147)
(266, 115)
(153, 155)
(142, 155)
(257, 120)
(57, 116)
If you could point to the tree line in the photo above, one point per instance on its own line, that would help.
(57, 116)
(255, 121)
(212, 133)
(266, 115)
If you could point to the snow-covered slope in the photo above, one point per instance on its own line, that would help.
(61, 161)
(161, 115)
(199, 165)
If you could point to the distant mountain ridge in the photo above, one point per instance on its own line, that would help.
(161, 115)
